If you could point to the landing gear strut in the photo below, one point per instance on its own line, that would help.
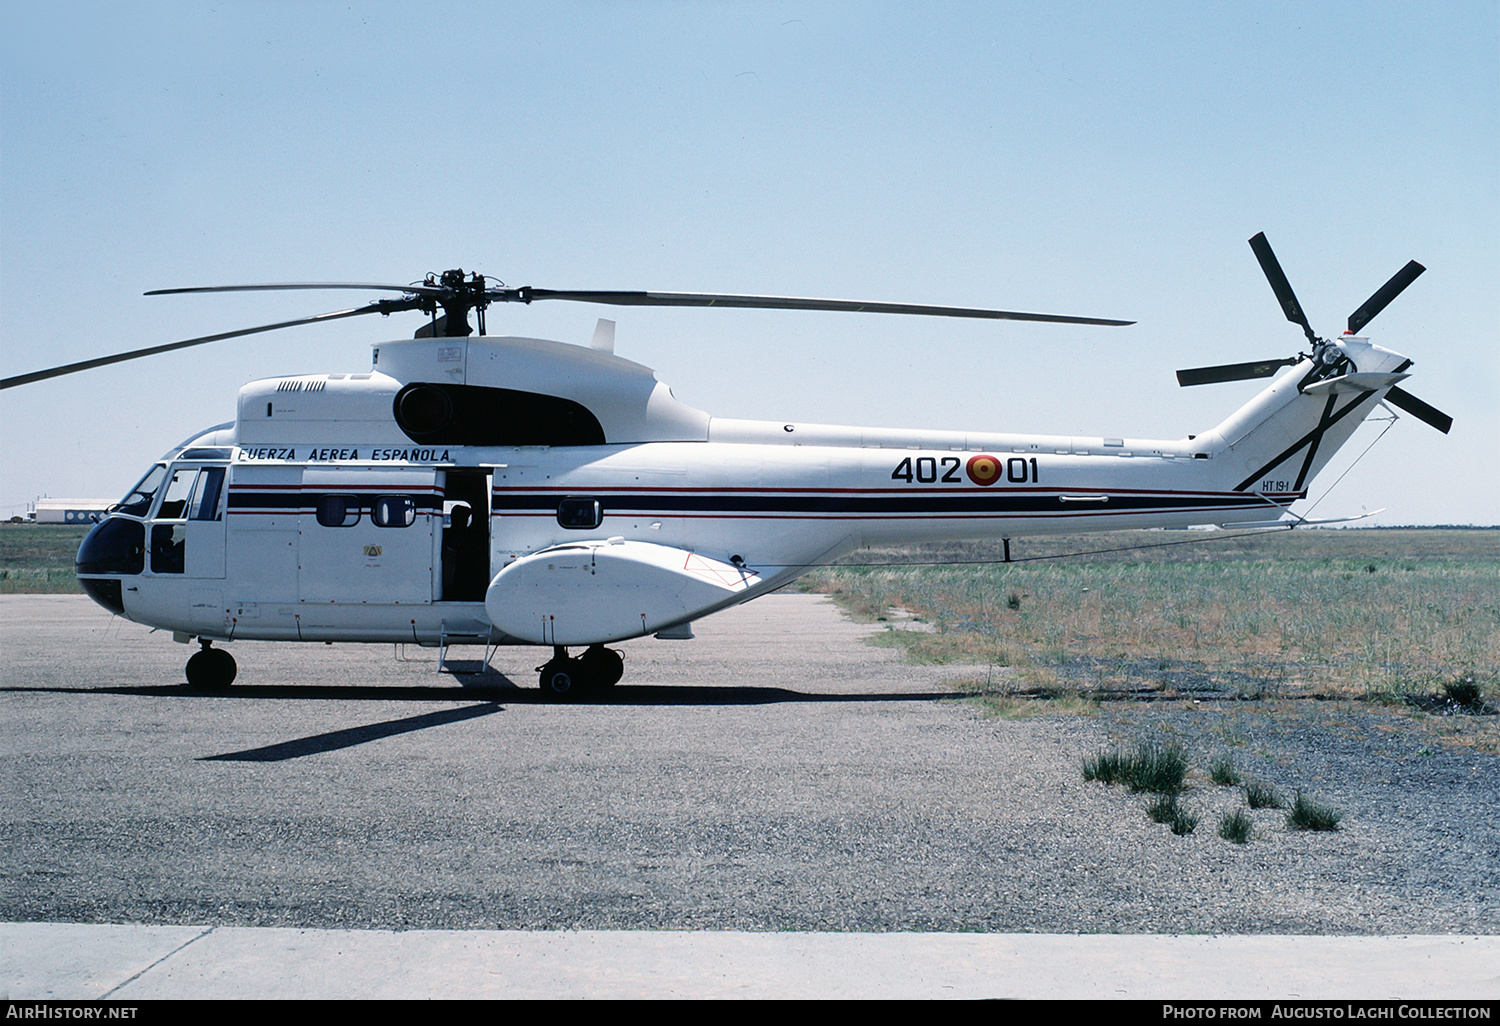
(564, 678)
(210, 669)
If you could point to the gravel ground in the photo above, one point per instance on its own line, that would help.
(775, 774)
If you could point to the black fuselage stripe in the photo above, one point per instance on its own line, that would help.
(934, 505)
(829, 504)
(264, 502)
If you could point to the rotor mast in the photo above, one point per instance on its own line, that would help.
(457, 295)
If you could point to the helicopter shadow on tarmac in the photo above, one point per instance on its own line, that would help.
(488, 697)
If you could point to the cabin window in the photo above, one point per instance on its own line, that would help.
(394, 511)
(338, 510)
(580, 514)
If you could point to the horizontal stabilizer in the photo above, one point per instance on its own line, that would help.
(1353, 383)
(1296, 521)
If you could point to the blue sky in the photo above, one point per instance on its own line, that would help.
(1104, 159)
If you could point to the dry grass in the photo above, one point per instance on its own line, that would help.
(1376, 614)
(996, 701)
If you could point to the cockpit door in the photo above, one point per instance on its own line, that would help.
(187, 532)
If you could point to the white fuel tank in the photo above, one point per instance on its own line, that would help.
(599, 591)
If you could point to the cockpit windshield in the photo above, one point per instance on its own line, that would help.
(137, 501)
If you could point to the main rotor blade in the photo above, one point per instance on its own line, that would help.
(382, 306)
(528, 294)
(1279, 285)
(427, 290)
(1404, 400)
(1383, 295)
(1232, 372)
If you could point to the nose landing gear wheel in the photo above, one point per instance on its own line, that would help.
(211, 669)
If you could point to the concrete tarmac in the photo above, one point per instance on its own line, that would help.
(348, 825)
(56, 961)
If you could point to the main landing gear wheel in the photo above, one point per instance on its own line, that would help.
(561, 679)
(565, 678)
(210, 669)
(603, 667)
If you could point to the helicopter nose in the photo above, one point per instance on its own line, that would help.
(115, 547)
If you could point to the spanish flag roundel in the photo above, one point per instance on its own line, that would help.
(984, 470)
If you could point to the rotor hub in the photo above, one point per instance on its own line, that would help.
(457, 295)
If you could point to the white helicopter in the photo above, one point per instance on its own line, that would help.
(514, 491)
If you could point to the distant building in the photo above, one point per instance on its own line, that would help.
(68, 511)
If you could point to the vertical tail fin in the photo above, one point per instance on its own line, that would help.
(1276, 443)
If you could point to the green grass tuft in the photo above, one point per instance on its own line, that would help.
(1167, 809)
(1235, 826)
(1106, 767)
(1223, 773)
(1309, 815)
(1155, 768)
(1163, 809)
(1263, 796)
(1184, 823)
(1160, 769)
(1464, 692)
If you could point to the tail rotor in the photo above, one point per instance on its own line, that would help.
(1329, 359)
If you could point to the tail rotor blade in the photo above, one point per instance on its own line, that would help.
(1404, 400)
(1383, 295)
(1232, 372)
(1279, 285)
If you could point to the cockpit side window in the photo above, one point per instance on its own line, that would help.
(137, 501)
(192, 493)
(207, 495)
(179, 490)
